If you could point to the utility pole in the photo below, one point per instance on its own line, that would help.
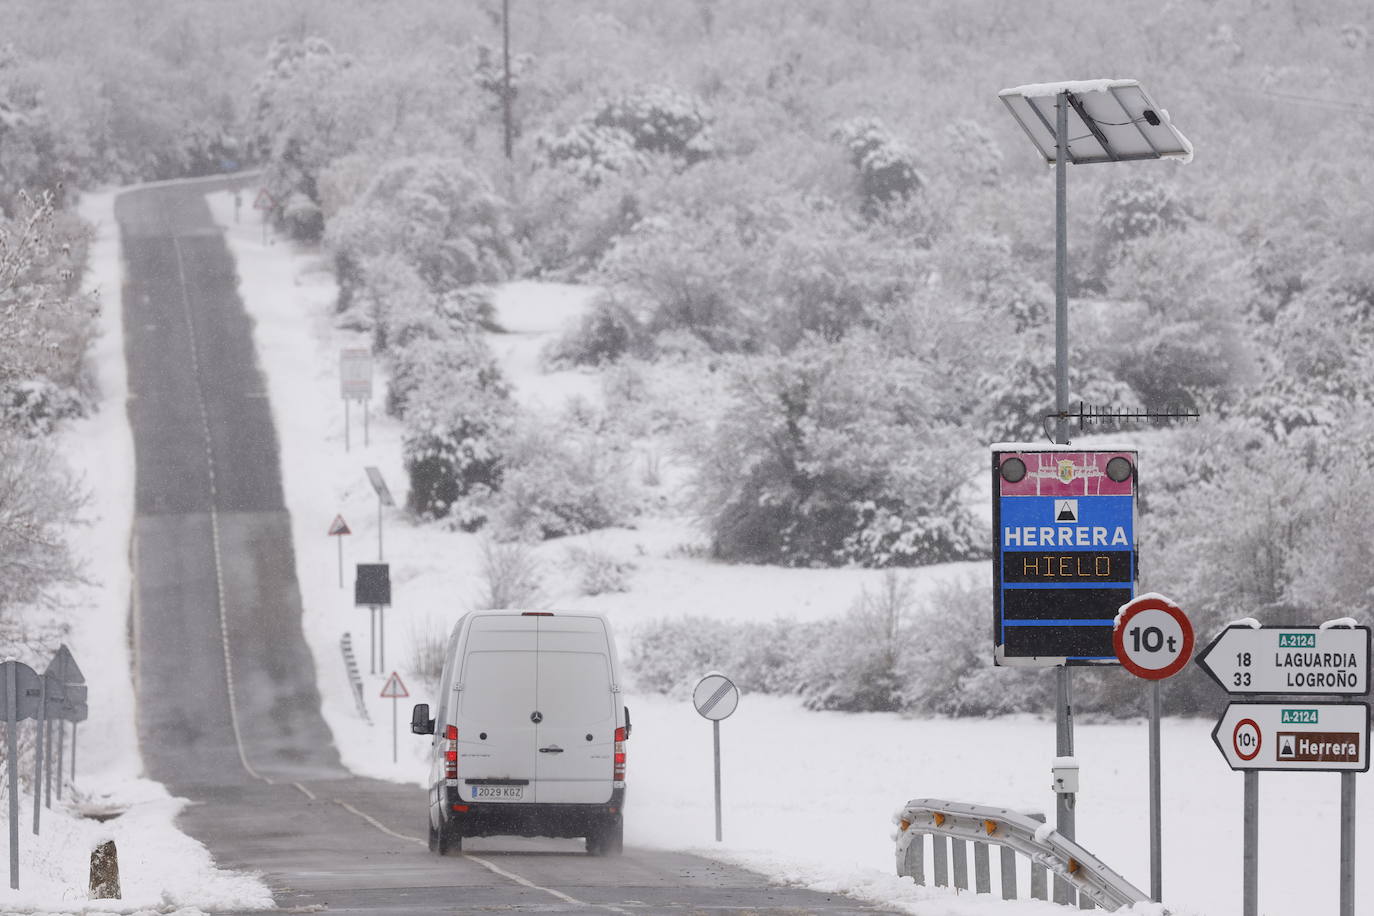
(505, 84)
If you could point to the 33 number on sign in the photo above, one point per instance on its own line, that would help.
(1241, 678)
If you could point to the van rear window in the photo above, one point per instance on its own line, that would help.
(575, 687)
(498, 687)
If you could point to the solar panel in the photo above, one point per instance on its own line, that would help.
(1109, 121)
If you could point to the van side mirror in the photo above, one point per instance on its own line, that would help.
(420, 722)
(627, 723)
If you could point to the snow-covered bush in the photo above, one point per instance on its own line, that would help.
(562, 478)
(866, 664)
(457, 411)
(626, 133)
(511, 577)
(886, 168)
(608, 330)
(33, 407)
(566, 227)
(435, 213)
(826, 457)
(599, 571)
(302, 218)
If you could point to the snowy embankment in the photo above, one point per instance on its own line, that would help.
(161, 869)
(807, 796)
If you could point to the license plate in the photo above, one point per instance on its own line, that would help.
(496, 793)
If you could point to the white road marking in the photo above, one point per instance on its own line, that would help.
(490, 866)
(308, 794)
(214, 516)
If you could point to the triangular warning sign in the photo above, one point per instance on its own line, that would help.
(264, 200)
(1066, 510)
(1287, 747)
(394, 689)
(339, 526)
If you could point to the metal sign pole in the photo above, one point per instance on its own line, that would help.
(339, 538)
(61, 733)
(1347, 844)
(1063, 713)
(346, 442)
(715, 731)
(11, 726)
(1156, 817)
(38, 752)
(47, 764)
(1250, 889)
(381, 637)
(73, 753)
(393, 729)
(372, 641)
(379, 527)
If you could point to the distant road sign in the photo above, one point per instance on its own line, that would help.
(339, 526)
(715, 696)
(394, 689)
(1294, 735)
(1290, 660)
(264, 201)
(1064, 523)
(372, 588)
(28, 692)
(374, 477)
(1153, 637)
(355, 374)
(64, 666)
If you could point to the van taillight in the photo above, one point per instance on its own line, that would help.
(451, 753)
(619, 770)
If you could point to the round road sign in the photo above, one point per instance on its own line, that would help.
(1246, 739)
(715, 696)
(1153, 637)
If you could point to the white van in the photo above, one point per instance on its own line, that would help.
(529, 731)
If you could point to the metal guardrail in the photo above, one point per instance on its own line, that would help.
(355, 677)
(952, 825)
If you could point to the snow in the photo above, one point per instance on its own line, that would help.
(160, 869)
(1250, 622)
(1343, 622)
(807, 796)
(1077, 87)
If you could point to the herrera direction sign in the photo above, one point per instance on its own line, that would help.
(1290, 660)
(1294, 735)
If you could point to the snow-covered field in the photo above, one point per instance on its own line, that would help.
(807, 796)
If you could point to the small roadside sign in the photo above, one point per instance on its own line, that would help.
(372, 587)
(394, 689)
(1153, 638)
(1290, 660)
(355, 374)
(715, 697)
(1294, 735)
(339, 526)
(264, 201)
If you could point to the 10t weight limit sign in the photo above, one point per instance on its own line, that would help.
(1152, 637)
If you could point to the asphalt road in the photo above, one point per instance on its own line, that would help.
(228, 710)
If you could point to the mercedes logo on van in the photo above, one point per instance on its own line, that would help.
(536, 717)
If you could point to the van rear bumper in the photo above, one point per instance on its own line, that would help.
(518, 819)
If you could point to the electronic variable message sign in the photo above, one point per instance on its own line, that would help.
(1063, 520)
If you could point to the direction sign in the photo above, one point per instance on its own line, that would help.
(1153, 638)
(1290, 660)
(355, 373)
(1064, 523)
(28, 692)
(374, 477)
(339, 526)
(394, 689)
(715, 696)
(1295, 735)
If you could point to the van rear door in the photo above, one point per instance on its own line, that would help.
(496, 731)
(576, 735)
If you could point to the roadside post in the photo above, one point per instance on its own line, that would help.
(355, 384)
(379, 487)
(1287, 730)
(1153, 640)
(1083, 122)
(64, 669)
(22, 696)
(264, 203)
(715, 698)
(372, 589)
(337, 529)
(394, 690)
